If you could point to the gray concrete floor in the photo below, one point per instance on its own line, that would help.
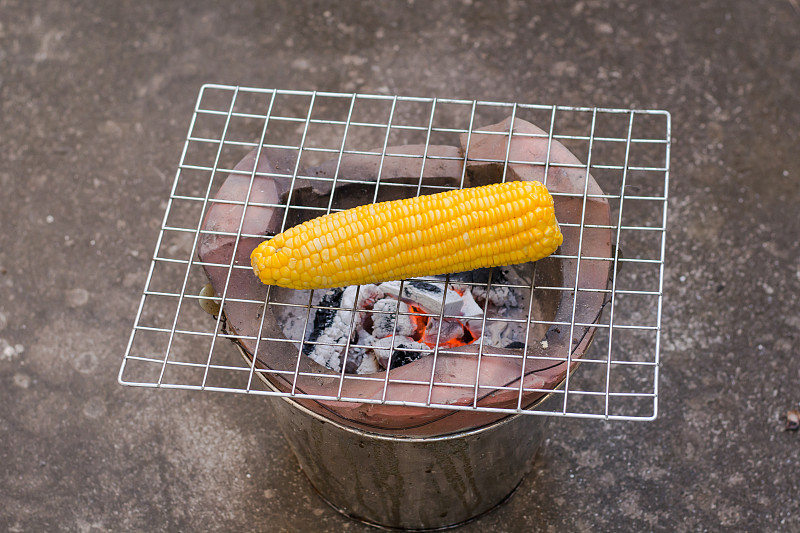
(96, 99)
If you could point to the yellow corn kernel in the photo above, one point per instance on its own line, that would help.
(454, 231)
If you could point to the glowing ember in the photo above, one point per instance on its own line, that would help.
(418, 320)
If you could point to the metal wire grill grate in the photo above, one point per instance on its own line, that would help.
(175, 344)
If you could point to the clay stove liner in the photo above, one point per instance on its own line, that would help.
(545, 367)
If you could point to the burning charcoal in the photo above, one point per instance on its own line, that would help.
(382, 346)
(333, 324)
(404, 350)
(324, 317)
(383, 319)
(364, 338)
(368, 295)
(405, 355)
(473, 313)
(358, 351)
(369, 364)
(470, 308)
(354, 359)
(326, 351)
(428, 296)
(451, 331)
(371, 333)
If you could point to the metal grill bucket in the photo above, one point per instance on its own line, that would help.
(416, 484)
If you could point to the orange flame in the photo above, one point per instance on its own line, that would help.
(420, 322)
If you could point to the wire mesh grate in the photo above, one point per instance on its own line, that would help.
(180, 337)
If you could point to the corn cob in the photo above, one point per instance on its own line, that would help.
(453, 231)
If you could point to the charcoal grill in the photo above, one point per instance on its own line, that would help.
(607, 362)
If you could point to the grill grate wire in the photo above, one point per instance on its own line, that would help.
(173, 344)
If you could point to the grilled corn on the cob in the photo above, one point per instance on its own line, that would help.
(453, 231)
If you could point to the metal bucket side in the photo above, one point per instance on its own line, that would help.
(419, 483)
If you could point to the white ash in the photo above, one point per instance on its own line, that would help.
(432, 297)
(387, 313)
(469, 307)
(369, 364)
(361, 360)
(499, 295)
(330, 327)
(473, 314)
(496, 332)
(504, 301)
(355, 357)
(367, 296)
(334, 323)
(402, 350)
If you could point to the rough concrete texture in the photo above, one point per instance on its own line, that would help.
(96, 98)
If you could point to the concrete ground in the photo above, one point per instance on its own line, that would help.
(96, 99)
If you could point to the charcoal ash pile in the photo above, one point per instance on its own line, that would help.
(370, 328)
